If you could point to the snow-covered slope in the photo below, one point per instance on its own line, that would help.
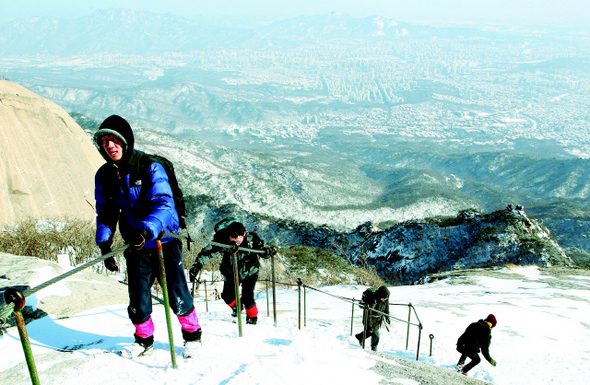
(541, 337)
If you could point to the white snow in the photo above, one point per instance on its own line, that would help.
(542, 337)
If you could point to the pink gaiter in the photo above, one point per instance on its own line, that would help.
(189, 323)
(145, 330)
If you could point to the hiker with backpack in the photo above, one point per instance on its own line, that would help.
(374, 302)
(231, 232)
(478, 335)
(133, 190)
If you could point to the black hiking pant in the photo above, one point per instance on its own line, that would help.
(143, 268)
(475, 360)
(374, 335)
(247, 297)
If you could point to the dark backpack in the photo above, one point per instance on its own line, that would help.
(368, 297)
(177, 194)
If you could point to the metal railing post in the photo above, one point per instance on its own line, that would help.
(237, 289)
(267, 298)
(409, 320)
(304, 307)
(206, 296)
(164, 286)
(418, 347)
(352, 318)
(17, 299)
(24, 340)
(274, 289)
(299, 303)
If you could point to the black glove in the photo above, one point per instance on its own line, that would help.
(137, 240)
(269, 251)
(194, 271)
(110, 262)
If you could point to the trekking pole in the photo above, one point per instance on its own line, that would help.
(12, 295)
(409, 319)
(274, 288)
(206, 296)
(431, 336)
(237, 288)
(164, 285)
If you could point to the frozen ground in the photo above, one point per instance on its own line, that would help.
(542, 337)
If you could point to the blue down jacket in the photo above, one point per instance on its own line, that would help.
(133, 194)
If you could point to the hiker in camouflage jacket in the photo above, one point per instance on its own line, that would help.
(248, 266)
(374, 303)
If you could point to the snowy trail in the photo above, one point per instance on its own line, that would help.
(542, 337)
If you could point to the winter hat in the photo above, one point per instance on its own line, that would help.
(382, 292)
(118, 126)
(491, 319)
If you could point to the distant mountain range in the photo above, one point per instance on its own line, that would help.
(331, 119)
(121, 31)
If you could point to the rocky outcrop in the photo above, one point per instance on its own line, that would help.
(408, 252)
(47, 162)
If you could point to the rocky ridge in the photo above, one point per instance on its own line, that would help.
(408, 252)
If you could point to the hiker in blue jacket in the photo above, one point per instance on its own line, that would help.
(134, 193)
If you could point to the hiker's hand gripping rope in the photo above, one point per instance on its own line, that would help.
(223, 245)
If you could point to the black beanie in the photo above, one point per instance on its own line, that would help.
(382, 292)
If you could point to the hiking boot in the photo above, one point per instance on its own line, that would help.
(374, 348)
(191, 348)
(251, 320)
(141, 347)
(234, 310)
(359, 338)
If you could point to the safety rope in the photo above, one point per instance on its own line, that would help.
(7, 310)
(223, 245)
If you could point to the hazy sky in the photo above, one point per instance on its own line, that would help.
(556, 12)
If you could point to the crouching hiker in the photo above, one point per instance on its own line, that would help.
(373, 299)
(134, 192)
(477, 336)
(231, 232)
